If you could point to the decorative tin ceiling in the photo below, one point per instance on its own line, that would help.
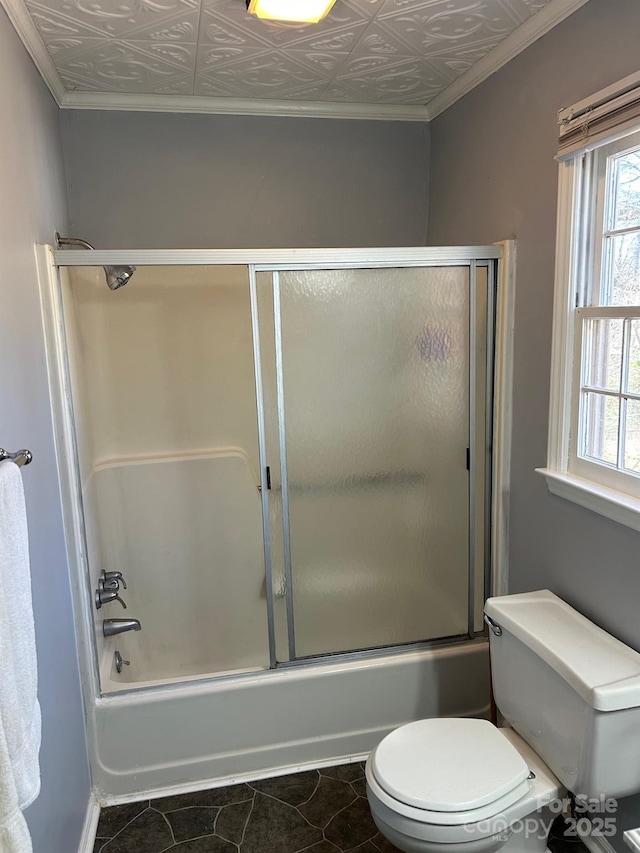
(364, 52)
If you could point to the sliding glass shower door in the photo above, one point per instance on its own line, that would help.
(285, 458)
(366, 385)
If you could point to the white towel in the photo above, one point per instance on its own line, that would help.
(20, 723)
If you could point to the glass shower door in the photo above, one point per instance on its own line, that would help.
(366, 386)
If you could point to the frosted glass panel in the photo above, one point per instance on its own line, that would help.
(376, 387)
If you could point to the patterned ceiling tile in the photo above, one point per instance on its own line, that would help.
(52, 24)
(409, 78)
(446, 23)
(455, 60)
(356, 66)
(341, 40)
(182, 27)
(326, 63)
(335, 93)
(312, 93)
(62, 49)
(205, 87)
(182, 55)
(120, 17)
(124, 67)
(219, 31)
(522, 10)
(379, 40)
(78, 83)
(368, 8)
(535, 5)
(272, 74)
(366, 51)
(214, 56)
(179, 86)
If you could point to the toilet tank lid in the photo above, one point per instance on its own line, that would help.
(601, 669)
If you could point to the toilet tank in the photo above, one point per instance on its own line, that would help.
(568, 688)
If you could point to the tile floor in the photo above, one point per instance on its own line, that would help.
(318, 811)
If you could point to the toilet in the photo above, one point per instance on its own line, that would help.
(569, 694)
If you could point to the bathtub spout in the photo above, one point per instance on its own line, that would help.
(111, 627)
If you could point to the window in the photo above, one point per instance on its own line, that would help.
(594, 434)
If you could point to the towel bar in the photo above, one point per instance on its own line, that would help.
(20, 457)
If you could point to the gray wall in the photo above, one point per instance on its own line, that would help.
(156, 180)
(494, 176)
(32, 204)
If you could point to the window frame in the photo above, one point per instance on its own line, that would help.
(584, 200)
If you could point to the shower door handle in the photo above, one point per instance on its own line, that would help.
(267, 477)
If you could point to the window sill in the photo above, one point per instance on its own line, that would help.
(608, 502)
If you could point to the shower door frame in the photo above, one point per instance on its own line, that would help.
(499, 259)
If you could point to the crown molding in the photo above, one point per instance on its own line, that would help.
(26, 29)
(533, 29)
(240, 106)
(526, 34)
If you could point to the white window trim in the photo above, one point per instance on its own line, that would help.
(608, 502)
(572, 215)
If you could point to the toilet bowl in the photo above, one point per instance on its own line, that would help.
(570, 696)
(459, 786)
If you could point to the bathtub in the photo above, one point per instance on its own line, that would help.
(195, 734)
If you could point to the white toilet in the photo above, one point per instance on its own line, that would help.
(570, 695)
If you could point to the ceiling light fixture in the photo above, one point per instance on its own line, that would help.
(298, 11)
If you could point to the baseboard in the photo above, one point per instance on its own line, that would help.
(90, 826)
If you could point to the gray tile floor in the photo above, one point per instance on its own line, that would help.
(318, 811)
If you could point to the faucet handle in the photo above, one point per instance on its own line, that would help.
(111, 578)
(104, 596)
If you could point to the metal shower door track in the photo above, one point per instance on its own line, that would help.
(280, 259)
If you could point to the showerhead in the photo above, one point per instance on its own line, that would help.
(118, 276)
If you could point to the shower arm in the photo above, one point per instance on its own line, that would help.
(71, 241)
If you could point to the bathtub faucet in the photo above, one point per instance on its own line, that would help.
(111, 627)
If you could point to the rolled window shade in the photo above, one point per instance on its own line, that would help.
(604, 117)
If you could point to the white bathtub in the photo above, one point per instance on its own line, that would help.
(193, 735)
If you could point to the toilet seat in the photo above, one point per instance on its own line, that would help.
(467, 767)
(450, 766)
